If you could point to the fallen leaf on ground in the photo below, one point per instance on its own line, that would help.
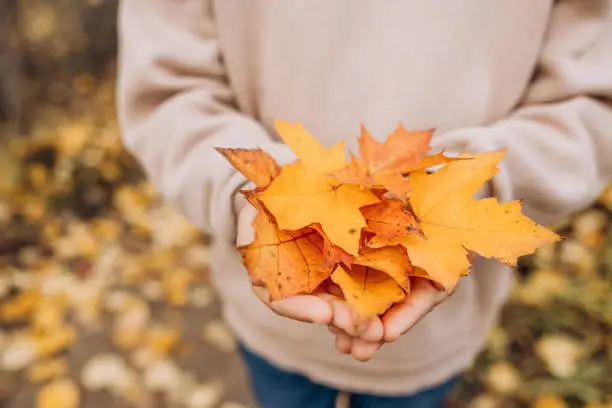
(111, 373)
(549, 401)
(503, 378)
(62, 393)
(49, 343)
(161, 340)
(560, 353)
(47, 370)
(204, 396)
(163, 376)
(217, 334)
(20, 307)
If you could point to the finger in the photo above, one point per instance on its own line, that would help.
(246, 233)
(362, 350)
(374, 332)
(305, 308)
(343, 343)
(262, 294)
(345, 318)
(404, 315)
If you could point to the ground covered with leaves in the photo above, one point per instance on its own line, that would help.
(105, 293)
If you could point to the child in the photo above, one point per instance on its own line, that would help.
(532, 76)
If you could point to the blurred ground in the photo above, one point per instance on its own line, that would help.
(105, 297)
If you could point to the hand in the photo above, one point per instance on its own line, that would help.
(424, 296)
(355, 336)
(363, 343)
(314, 308)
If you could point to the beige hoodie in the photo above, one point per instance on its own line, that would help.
(529, 75)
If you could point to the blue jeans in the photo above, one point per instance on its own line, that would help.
(276, 388)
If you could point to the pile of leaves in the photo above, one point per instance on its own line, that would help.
(101, 282)
(372, 224)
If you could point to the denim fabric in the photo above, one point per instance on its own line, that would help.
(274, 387)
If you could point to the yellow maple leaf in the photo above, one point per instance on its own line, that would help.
(312, 154)
(368, 291)
(255, 164)
(298, 198)
(453, 222)
(392, 260)
(47, 370)
(62, 393)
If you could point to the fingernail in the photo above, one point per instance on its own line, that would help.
(362, 327)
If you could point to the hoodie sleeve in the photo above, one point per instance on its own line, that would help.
(559, 139)
(175, 105)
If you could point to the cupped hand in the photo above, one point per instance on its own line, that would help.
(314, 308)
(363, 340)
(353, 334)
(424, 296)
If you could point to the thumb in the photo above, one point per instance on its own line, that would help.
(304, 308)
(245, 233)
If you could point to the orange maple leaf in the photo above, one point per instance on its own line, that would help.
(402, 152)
(391, 218)
(385, 164)
(255, 164)
(287, 262)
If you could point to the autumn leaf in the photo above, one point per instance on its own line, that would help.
(298, 198)
(444, 259)
(333, 213)
(312, 154)
(401, 152)
(333, 253)
(437, 159)
(287, 262)
(392, 260)
(255, 164)
(453, 222)
(368, 291)
(385, 164)
(390, 219)
(356, 172)
(62, 393)
(47, 370)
